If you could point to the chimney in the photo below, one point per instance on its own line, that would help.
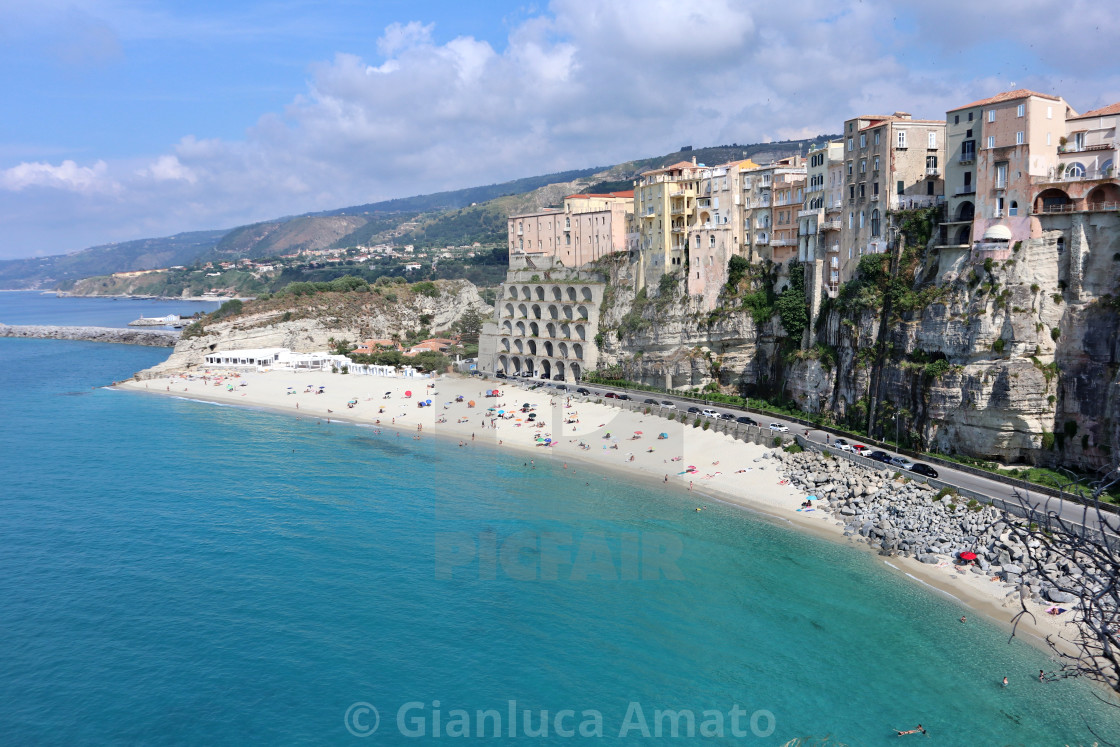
(694, 160)
(901, 115)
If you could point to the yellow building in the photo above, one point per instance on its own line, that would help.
(664, 209)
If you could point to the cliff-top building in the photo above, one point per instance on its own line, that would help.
(588, 227)
(664, 210)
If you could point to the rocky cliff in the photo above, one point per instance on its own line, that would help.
(1009, 355)
(312, 323)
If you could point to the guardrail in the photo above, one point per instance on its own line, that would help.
(931, 458)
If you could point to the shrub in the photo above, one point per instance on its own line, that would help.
(998, 346)
(706, 425)
(1055, 333)
(776, 442)
(1056, 298)
(231, 307)
(673, 416)
(1035, 288)
(426, 288)
(946, 491)
(794, 448)
(1048, 440)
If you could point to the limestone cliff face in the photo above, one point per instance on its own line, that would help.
(309, 324)
(1015, 360)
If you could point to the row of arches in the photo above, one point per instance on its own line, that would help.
(551, 329)
(542, 347)
(1056, 200)
(543, 368)
(535, 311)
(555, 293)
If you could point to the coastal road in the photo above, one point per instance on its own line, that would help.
(1069, 510)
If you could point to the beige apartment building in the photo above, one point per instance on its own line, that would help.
(758, 185)
(818, 221)
(664, 209)
(890, 163)
(1085, 178)
(717, 233)
(788, 190)
(588, 227)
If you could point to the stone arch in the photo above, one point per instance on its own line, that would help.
(575, 370)
(503, 363)
(586, 293)
(546, 369)
(553, 312)
(516, 364)
(1052, 200)
(562, 350)
(518, 345)
(966, 211)
(532, 347)
(521, 328)
(577, 350)
(565, 330)
(512, 292)
(581, 332)
(548, 348)
(964, 235)
(529, 366)
(560, 369)
(557, 294)
(523, 310)
(505, 344)
(551, 328)
(582, 311)
(571, 294)
(568, 313)
(534, 329)
(507, 327)
(540, 293)
(525, 294)
(1103, 194)
(536, 311)
(509, 309)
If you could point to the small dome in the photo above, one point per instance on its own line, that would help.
(998, 233)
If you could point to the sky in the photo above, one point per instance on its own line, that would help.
(126, 119)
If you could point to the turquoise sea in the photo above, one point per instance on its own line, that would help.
(180, 572)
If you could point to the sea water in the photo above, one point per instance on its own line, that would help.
(35, 307)
(175, 571)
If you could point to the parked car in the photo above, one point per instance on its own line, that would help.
(562, 387)
(668, 405)
(694, 411)
(879, 456)
(650, 402)
(581, 390)
(923, 469)
(859, 449)
(610, 395)
(710, 413)
(842, 445)
(558, 377)
(902, 462)
(726, 416)
(624, 396)
(500, 375)
(778, 428)
(745, 420)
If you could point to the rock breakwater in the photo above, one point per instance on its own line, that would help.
(161, 338)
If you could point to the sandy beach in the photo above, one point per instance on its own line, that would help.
(704, 466)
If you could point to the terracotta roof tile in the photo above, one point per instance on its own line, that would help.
(999, 98)
(1102, 112)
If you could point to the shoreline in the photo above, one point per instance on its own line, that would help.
(734, 472)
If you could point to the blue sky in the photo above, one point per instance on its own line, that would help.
(133, 118)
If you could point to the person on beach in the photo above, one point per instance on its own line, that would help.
(964, 619)
(1005, 682)
(912, 731)
(1041, 676)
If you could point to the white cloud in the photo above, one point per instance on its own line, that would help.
(586, 83)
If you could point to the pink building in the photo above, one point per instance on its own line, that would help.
(588, 227)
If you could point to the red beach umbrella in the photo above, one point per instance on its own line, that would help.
(968, 556)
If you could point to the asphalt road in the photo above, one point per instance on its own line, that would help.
(1069, 510)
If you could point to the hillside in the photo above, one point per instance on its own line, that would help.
(458, 217)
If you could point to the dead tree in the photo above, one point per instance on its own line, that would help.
(1077, 563)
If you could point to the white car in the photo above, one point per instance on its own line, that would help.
(709, 413)
(668, 405)
(778, 428)
(842, 445)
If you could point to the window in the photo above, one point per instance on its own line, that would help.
(991, 115)
(991, 141)
(876, 163)
(851, 144)
(861, 190)
(967, 181)
(861, 219)
(1019, 137)
(1014, 208)
(1049, 112)
(851, 191)
(863, 140)
(999, 207)
(1048, 138)
(901, 187)
(712, 240)
(875, 189)
(863, 166)
(876, 137)
(932, 136)
(968, 134)
(931, 162)
(875, 223)
(849, 168)
(902, 138)
(970, 118)
(1079, 141)
(956, 119)
(1075, 170)
(851, 220)
(1001, 175)
(929, 187)
(1021, 110)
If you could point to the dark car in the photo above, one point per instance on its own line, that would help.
(694, 410)
(624, 396)
(879, 456)
(500, 375)
(745, 420)
(562, 387)
(726, 416)
(650, 402)
(581, 390)
(924, 469)
(611, 395)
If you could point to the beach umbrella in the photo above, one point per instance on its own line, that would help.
(427, 402)
(637, 433)
(408, 393)
(501, 412)
(663, 435)
(471, 403)
(968, 556)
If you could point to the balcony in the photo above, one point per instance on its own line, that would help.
(968, 189)
(933, 172)
(807, 213)
(874, 198)
(834, 249)
(783, 242)
(829, 225)
(761, 239)
(967, 156)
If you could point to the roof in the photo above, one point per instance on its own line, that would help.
(999, 98)
(585, 196)
(1104, 111)
(678, 166)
